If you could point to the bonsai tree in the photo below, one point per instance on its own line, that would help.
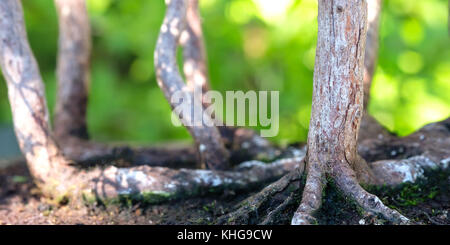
(65, 164)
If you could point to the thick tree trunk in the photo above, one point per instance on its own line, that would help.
(337, 105)
(337, 109)
(73, 69)
(336, 115)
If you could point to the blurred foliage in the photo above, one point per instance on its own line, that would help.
(252, 45)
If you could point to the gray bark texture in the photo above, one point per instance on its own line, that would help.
(74, 50)
(337, 110)
(207, 137)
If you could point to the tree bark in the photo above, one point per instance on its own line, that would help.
(210, 146)
(194, 52)
(27, 99)
(73, 69)
(371, 55)
(338, 89)
(337, 109)
(394, 161)
(243, 143)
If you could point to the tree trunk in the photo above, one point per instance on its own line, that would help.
(73, 69)
(337, 109)
(371, 55)
(210, 146)
(338, 89)
(243, 143)
(194, 52)
(27, 99)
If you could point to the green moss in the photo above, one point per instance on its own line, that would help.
(129, 200)
(412, 194)
(156, 196)
(19, 179)
(88, 197)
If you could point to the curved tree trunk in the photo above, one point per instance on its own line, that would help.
(194, 52)
(27, 99)
(211, 148)
(243, 143)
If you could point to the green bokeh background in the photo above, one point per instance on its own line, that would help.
(252, 45)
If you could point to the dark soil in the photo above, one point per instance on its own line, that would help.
(427, 202)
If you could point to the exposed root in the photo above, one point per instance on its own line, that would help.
(312, 196)
(89, 153)
(435, 155)
(370, 203)
(158, 184)
(252, 205)
(273, 215)
(245, 144)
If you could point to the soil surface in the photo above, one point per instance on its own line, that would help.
(426, 202)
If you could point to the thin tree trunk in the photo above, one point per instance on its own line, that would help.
(243, 143)
(194, 53)
(210, 146)
(370, 128)
(371, 55)
(73, 69)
